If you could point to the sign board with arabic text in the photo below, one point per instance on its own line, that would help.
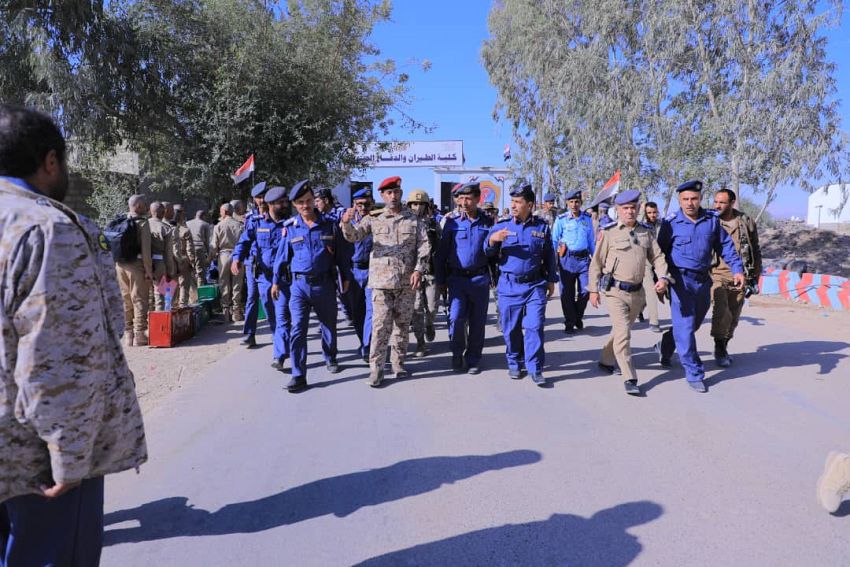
(413, 154)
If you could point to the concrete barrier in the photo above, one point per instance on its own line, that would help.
(831, 292)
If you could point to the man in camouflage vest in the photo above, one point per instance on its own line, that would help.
(425, 302)
(400, 250)
(68, 408)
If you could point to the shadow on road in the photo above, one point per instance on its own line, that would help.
(339, 495)
(563, 539)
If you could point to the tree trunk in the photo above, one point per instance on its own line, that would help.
(770, 195)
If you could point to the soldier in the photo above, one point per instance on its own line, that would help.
(162, 251)
(68, 408)
(527, 279)
(135, 278)
(425, 304)
(574, 243)
(313, 253)
(225, 236)
(620, 259)
(184, 257)
(462, 266)
(550, 211)
(400, 251)
(239, 206)
(201, 235)
(359, 291)
(252, 289)
(688, 238)
(650, 300)
(729, 299)
(263, 235)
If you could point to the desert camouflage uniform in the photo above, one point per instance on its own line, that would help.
(68, 407)
(399, 247)
(225, 236)
(425, 298)
(184, 258)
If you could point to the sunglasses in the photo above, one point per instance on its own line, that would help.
(634, 237)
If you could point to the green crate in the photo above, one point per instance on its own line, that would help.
(208, 292)
(261, 311)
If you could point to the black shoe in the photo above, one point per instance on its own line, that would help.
(515, 374)
(332, 366)
(457, 363)
(249, 341)
(632, 387)
(698, 386)
(366, 358)
(610, 369)
(641, 318)
(278, 364)
(579, 324)
(538, 379)
(662, 360)
(569, 329)
(297, 384)
(474, 370)
(401, 373)
(430, 334)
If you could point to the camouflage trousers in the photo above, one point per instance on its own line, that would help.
(392, 310)
(424, 307)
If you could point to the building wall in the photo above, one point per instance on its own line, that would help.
(824, 201)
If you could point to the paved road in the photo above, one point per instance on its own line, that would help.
(444, 469)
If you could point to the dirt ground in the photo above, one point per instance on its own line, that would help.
(823, 251)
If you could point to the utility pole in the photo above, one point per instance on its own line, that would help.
(818, 207)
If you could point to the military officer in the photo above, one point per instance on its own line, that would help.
(574, 243)
(184, 258)
(264, 236)
(462, 265)
(688, 238)
(359, 291)
(201, 235)
(400, 250)
(728, 299)
(252, 288)
(550, 211)
(162, 251)
(652, 222)
(621, 256)
(313, 253)
(135, 278)
(225, 236)
(425, 303)
(523, 245)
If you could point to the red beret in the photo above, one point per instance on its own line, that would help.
(390, 183)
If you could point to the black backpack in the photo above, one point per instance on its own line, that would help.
(123, 236)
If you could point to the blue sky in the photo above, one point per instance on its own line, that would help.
(456, 97)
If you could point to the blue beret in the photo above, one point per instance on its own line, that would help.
(473, 187)
(258, 189)
(576, 194)
(604, 205)
(364, 193)
(524, 191)
(275, 194)
(299, 189)
(630, 196)
(550, 197)
(692, 185)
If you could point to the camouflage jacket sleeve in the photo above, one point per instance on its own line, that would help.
(423, 252)
(356, 233)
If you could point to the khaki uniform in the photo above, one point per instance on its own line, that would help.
(623, 252)
(225, 236)
(399, 247)
(729, 301)
(201, 235)
(162, 257)
(135, 287)
(184, 258)
(68, 407)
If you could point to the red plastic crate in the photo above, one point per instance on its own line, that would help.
(167, 328)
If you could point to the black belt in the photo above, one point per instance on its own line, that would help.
(525, 278)
(311, 279)
(626, 286)
(361, 265)
(579, 254)
(468, 273)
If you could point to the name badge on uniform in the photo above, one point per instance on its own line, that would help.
(538, 234)
(511, 233)
(327, 237)
(262, 230)
(297, 239)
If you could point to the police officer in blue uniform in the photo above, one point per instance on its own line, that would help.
(264, 236)
(574, 242)
(358, 291)
(252, 290)
(313, 251)
(688, 238)
(462, 264)
(526, 257)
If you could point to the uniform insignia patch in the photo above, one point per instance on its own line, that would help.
(327, 237)
(262, 230)
(538, 234)
(104, 244)
(43, 202)
(297, 239)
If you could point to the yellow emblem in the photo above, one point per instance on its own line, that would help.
(104, 244)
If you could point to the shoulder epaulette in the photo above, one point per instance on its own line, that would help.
(563, 215)
(289, 222)
(670, 217)
(711, 212)
(608, 226)
(503, 219)
(376, 212)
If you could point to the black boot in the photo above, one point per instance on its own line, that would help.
(721, 356)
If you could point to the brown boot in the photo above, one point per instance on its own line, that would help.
(238, 316)
(226, 315)
(141, 339)
(128, 338)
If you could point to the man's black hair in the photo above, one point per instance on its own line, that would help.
(26, 137)
(730, 193)
(649, 204)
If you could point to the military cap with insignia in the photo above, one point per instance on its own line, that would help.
(524, 191)
(471, 188)
(364, 193)
(630, 196)
(418, 196)
(258, 189)
(692, 185)
(575, 194)
(299, 189)
(550, 197)
(275, 193)
(390, 183)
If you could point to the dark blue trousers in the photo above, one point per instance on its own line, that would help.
(469, 299)
(252, 309)
(320, 298)
(278, 316)
(690, 298)
(63, 532)
(361, 308)
(522, 308)
(574, 294)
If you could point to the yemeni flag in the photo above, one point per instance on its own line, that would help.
(507, 152)
(244, 172)
(610, 188)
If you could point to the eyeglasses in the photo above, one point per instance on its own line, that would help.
(634, 237)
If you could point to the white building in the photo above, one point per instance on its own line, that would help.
(824, 204)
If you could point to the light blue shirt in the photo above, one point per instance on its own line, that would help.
(576, 233)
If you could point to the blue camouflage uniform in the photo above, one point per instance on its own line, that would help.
(359, 292)
(688, 246)
(315, 256)
(577, 234)
(263, 236)
(462, 265)
(526, 263)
